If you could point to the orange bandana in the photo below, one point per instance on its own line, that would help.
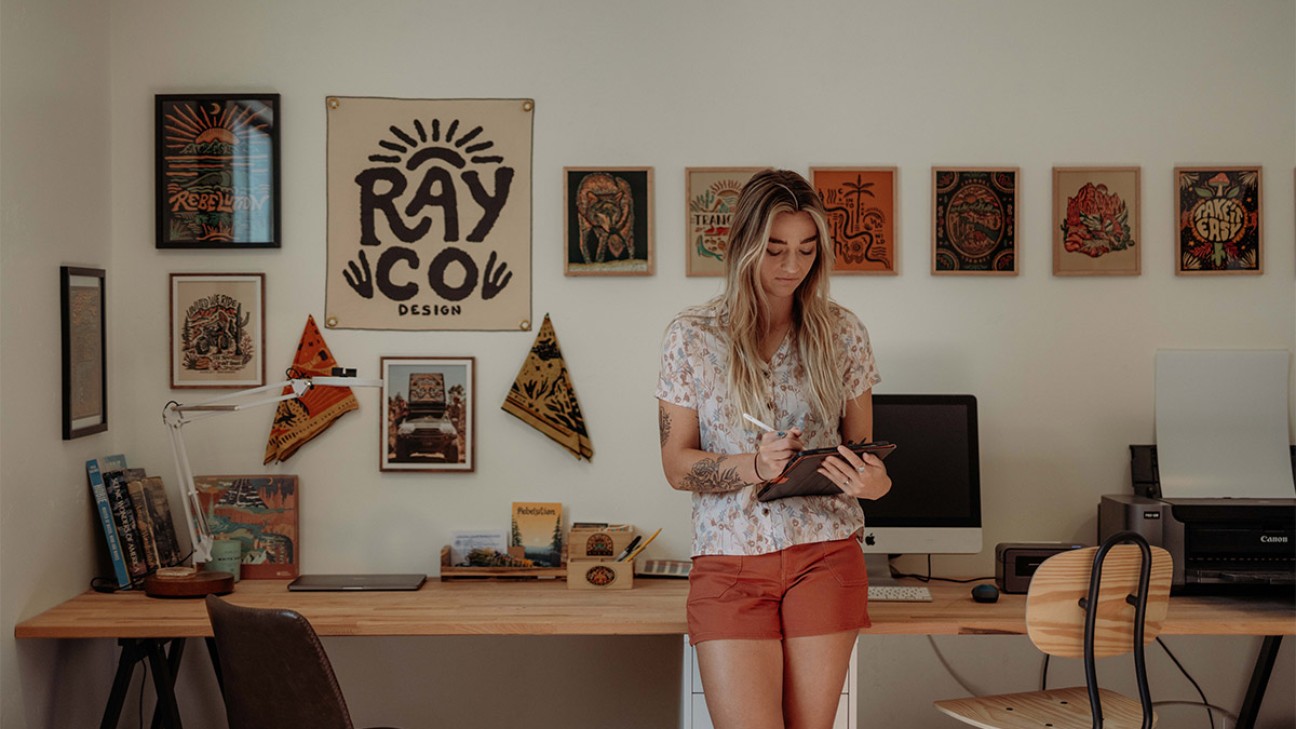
(300, 419)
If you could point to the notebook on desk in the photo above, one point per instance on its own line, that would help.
(358, 583)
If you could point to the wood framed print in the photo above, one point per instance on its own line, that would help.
(974, 221)
(262, 512)
(861, 204)
(710, 195)
(1096, 221)
(217, 330)
(85, 366)
(609, 221)
(430, 414)
(217, 170)
(1217, 220)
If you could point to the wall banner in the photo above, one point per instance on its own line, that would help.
(429, 214)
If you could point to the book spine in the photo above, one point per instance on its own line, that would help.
(144, 524)
(106, 520)
(127, 533)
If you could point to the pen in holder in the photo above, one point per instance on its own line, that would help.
(596, 557)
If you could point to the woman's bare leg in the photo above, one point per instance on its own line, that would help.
(814, 669)
(743, 681)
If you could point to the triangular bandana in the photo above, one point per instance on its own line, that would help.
(542, 396)
(300, 419)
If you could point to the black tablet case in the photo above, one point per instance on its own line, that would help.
(801, 477)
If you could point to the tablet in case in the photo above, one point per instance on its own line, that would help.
(801, 477)
(359, 583)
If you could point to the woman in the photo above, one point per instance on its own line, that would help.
(778, 590)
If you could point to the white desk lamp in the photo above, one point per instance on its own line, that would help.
(176, 416)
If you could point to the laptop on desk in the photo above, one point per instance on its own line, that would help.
(357, 583)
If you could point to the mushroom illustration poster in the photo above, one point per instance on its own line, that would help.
(429, 214)
(1218, 220)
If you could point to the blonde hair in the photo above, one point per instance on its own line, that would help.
(767, 194)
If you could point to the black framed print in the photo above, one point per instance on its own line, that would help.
(85, 366)
(217, 183)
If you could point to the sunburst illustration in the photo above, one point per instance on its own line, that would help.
(213, 127)
(432, 143)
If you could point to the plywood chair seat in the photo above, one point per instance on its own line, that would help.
(1086, 603)
(1066, 708)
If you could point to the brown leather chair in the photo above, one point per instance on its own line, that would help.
(275, 674)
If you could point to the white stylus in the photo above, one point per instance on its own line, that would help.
(758, 423)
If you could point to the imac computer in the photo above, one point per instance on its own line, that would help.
(934, 506)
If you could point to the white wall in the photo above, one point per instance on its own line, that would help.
(1062, 367)
(54, 177)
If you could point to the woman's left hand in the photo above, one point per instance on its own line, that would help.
(862, 476)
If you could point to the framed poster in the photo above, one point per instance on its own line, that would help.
(861, 204)
(430, 414)
(974, 220)
(217, 181)
(1217, 220)
(710, 193)
(85, 366)
(261, 511)
(608, 216)
(1096, 221)
(429, 214)
(217, 330)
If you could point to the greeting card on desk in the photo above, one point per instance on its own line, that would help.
(801, 476)
(537, 533)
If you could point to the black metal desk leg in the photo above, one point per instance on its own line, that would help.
(130, 655)
(1259, 681)
(215, 661)
(173, 663)
(163, 684)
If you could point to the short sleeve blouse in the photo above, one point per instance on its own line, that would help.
(694, 364)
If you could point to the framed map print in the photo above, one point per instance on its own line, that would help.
(85, 368)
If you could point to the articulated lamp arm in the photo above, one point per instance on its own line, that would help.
(176, 416)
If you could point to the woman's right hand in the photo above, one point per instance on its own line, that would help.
(774, 450)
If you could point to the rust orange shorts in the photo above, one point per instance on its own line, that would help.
(806, 589)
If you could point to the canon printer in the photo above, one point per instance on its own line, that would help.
(1219, 545)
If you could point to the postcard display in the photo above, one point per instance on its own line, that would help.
(429, 214)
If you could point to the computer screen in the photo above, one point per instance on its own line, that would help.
(934, 506)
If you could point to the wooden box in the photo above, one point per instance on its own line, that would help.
(599, 574)
(598, 543)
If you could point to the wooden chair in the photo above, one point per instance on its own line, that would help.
(274, 672)
(1130, 585)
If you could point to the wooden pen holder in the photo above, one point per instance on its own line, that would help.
(599, 543)
(599, 574)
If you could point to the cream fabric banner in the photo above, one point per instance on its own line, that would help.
(429, 213)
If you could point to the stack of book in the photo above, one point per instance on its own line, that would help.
(136, 519)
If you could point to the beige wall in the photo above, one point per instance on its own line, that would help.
(1062, 367)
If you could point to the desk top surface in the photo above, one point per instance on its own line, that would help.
(547, 607)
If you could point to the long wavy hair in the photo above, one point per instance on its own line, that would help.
(767, 194)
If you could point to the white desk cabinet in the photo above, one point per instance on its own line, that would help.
(693, 709)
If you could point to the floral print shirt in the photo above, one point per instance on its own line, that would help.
(694, 365)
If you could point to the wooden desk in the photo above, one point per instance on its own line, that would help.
(547, 607)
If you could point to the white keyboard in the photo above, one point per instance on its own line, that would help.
(898, 593)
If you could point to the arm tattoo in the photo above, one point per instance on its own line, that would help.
(709, 476)
(663, 424)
